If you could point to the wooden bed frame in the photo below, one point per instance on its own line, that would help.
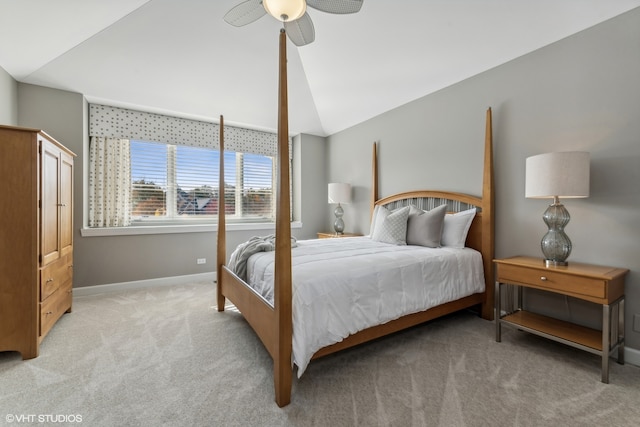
(273, 324)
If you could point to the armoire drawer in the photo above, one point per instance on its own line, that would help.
(55, 275)
(54, 307)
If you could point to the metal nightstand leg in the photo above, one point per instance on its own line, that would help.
(617, 335)
(497, 311)
(606, 348)
(621, 332)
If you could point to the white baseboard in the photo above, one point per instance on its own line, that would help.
(147, 283)
(631, 356)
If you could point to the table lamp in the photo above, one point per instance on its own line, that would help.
(552, 176)
(339, 193)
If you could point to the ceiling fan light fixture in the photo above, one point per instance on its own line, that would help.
(285, 10)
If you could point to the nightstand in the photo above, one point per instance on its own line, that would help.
(598, 284)
(332, 235)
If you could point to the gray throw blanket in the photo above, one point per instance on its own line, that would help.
(239, 257)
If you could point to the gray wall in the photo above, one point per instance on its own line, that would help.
(581, 93)
(309, 185)
(8, 99)
(118, 259)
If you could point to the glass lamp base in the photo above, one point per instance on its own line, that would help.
(556, 245)
(338, 225)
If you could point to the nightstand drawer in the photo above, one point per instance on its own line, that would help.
(552, 280)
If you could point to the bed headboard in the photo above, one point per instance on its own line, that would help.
(456, 202)
(481, 233)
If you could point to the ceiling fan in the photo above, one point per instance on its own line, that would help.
(293, 13)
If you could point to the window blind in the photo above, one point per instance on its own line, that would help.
(180, 182)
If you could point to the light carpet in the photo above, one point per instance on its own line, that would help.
(165, 357)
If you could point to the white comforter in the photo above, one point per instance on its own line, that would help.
(341, 286)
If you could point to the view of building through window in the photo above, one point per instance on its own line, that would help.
(181, 182)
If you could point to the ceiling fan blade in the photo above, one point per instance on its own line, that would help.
(301, 31)
(336, 6)
(245, 13)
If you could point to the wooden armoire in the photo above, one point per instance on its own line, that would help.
(36, 237)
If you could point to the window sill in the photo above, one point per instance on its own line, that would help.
(172, 229)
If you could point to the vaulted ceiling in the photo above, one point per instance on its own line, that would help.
(180, 57)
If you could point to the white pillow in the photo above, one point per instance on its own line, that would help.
(390, 226)
(456, 227)
(373, 220)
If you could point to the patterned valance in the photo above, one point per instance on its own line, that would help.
(121, 123)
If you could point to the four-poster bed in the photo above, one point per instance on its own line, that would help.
(273, 323)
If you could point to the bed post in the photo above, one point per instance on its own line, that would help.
(282, 267)
(222, 231)
(374, 178)
(488, 220)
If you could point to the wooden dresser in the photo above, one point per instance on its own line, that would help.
(36, 237)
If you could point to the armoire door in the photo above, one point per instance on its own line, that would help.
(50, 199)
(66, 204)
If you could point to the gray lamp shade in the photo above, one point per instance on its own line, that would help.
(339, 192)
(560, 174)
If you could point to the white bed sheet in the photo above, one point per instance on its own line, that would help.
(344, 285)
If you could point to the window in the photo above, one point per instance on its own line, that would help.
(152, 169)
(179, 182)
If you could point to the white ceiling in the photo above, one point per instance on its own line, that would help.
(180, 57)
